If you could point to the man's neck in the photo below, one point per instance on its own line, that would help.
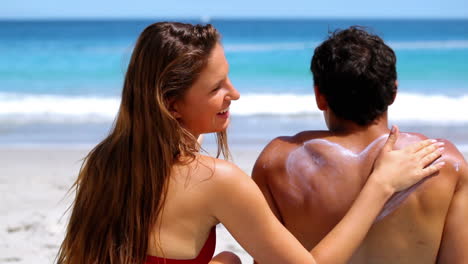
(345, 128)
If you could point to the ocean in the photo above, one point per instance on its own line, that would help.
(60, 81)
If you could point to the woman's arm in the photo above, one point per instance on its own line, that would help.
(393, 171)
(240, 206)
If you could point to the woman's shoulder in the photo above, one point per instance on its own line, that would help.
(222, 180)
(205, 172)
(219, 169)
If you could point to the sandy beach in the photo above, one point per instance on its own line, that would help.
(33, 194)
(33, 190)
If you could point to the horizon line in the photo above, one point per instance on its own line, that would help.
(211, 18)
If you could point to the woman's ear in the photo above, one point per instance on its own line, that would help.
(320, 99)
(173, 107)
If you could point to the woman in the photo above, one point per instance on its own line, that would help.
(145, 191)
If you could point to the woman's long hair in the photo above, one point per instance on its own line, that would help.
(121, 186)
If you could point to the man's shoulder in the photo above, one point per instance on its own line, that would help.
(296, 140)
(279, 148)
(451, 152)
(455, 162)
(272, 160)
(454, 159)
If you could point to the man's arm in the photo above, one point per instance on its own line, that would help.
(454, 246)
(263, 168)
(267, 166)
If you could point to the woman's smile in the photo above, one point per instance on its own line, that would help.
(224, 113)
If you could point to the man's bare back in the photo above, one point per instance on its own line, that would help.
(310, 181)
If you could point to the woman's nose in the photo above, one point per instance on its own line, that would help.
(233, 93)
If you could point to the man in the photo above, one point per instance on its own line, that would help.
(311, 179)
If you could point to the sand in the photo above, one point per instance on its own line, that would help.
(33, 188)
(33, 197)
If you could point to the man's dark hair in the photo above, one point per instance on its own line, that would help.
(356, 73)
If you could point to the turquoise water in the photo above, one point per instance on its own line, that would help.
(89, 58)
(69, 73)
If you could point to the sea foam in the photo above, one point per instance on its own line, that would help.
(19, 108)
(409, 107)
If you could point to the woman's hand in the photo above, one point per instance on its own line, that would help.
(394, 170)
(397, 170)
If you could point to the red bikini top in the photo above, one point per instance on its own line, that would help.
(205, 255)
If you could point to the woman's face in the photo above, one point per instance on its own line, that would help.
(205, 106)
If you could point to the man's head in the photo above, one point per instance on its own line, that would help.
(355, 73)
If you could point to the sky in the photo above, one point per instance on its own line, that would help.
(92, 9)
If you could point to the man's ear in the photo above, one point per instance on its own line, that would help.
(396, 91)
(322, 103)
